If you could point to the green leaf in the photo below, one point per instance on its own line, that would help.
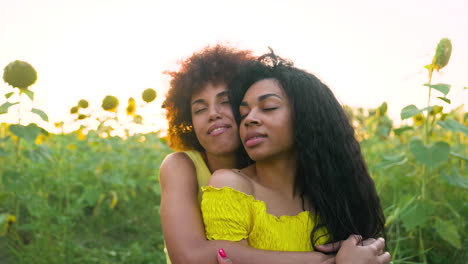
(409, 111)
(441, 87)
(41, 113)
(432, 156)
(8, 95)
(28, 133)
(455, 179)
(402, 129)
(40, 154)
(460, 156)
(448, 232)
(390, 161)
(453, 125)
(3, 152)
(383, 130)
(37, 207)
(445, 99)
(4, 107)
(417, 214)
(29, 93)
(91, 196)
(429, 108)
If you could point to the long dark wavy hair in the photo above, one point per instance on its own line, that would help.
(331, 171)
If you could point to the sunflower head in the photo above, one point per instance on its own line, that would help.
(19, 74)
(74, 110)
(83, 103)
(110, 103)
(131, 108)
(149, 95)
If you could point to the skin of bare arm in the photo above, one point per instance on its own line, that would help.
(183, 228)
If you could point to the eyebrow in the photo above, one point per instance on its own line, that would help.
(261, 98)
(219, 95)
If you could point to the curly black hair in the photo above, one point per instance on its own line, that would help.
(215, 65)
(332, 173)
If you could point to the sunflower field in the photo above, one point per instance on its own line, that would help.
(89, 196)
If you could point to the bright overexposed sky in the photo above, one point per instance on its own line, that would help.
(367, 51)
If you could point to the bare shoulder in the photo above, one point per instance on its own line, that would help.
(233, 179)
(176, 158)
(176, 165)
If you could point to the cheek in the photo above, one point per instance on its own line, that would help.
(196, 123)
(242, 131)
(227, 111)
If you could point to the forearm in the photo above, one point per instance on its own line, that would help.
(242, 254)
(205, 252)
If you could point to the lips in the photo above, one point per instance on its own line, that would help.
(217, 129)
(254, 138)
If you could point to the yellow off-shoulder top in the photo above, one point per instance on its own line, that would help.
(232, 215)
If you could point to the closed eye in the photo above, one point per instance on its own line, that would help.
(242, 116)
(199, 110)
(269, 109)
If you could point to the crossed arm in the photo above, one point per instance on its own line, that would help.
(183, 228)
(184, 232)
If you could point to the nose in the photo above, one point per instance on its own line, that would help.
(214, 113)
(251, 119)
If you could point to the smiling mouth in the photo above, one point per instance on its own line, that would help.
(218, 131)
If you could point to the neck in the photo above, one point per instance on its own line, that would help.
(278, 173)
(219, 161)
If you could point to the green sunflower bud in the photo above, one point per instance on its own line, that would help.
(83, 103)
(19, 74)
(110, 103)
(436, 109)
(74, 110)
(382, 110)
(443, 53)
(418, 119)
(149, 95)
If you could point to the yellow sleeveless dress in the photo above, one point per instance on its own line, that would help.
(203, 176)
(232, 215)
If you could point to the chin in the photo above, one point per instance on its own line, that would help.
(255, 155)
(225, 148)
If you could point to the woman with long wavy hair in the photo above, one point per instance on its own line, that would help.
(309, 184)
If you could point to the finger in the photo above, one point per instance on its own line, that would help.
(385, 258)
(368, 241)
(330, 247)
(353, 239)
(222, 258)
(378, 245)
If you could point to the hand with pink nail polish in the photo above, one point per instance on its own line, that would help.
(222, 257)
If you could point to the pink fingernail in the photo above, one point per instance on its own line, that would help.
(222, 253)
